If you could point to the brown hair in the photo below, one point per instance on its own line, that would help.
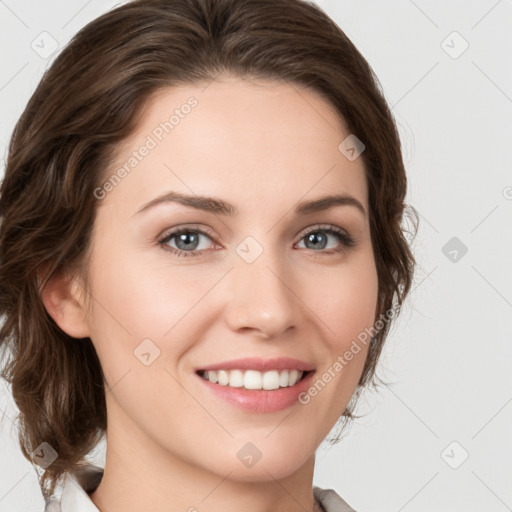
(86, 104)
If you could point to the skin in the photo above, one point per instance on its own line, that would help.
(264, 147)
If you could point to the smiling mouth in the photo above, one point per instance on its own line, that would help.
(253, 379)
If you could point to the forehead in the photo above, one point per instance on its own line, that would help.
(239, 139)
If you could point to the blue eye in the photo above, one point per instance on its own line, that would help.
(318, 238)
(188, 240)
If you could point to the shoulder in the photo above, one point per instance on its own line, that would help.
(330, 500)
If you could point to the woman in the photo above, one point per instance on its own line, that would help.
(255, 132)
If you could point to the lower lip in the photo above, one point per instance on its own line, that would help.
(260, 400)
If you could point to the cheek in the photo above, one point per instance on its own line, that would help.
(345, 303)
(136, 301)
(344, 299)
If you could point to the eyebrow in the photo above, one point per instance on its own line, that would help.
(220, 207)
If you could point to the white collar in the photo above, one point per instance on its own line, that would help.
(75, 488)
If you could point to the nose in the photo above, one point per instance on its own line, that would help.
(261, 297)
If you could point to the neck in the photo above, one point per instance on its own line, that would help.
(141, 475)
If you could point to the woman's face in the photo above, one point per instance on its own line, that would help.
(259, 276)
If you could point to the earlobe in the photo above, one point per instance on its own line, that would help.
(63, 301)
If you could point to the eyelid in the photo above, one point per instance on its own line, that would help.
(209, 231)
(187, 227)
(320, 227)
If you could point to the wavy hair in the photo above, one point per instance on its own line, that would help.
(88, 101)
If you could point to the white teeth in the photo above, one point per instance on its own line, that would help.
(223, 378)
(253, 379)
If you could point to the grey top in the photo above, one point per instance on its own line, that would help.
(76, 486)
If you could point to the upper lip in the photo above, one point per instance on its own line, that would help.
(253, 363)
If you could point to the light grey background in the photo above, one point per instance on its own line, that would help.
(450, 354)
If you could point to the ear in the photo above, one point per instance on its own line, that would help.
(63, 299)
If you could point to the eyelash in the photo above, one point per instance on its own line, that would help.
(346, 240)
